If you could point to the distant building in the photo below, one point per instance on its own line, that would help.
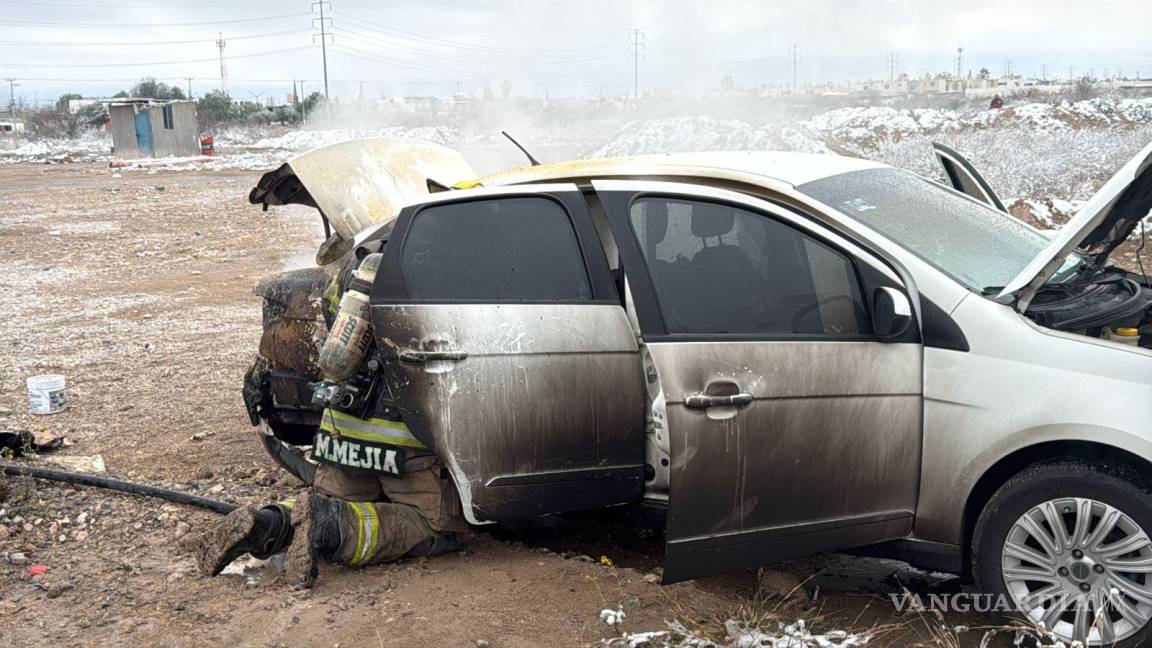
(76, 105)
(143, 128)
(11, 132)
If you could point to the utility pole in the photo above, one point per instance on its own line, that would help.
(893, 60)
(12, 96)
(303, 104)
(794, 61)
(189, 80)
(636, 48)
(323, 40)
(220, 43)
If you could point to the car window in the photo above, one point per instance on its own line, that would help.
(979, 246)
(502, 249)
(722, 269)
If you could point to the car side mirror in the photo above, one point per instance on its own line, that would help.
(891, 313)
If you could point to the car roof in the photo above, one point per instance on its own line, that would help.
(792, 168)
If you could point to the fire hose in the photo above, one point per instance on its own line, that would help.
(83, 479)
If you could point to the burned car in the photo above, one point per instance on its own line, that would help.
(780, 353)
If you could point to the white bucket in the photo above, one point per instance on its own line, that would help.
(46, 394)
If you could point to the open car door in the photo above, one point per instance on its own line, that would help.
(506, 350)
(964, 178)
(793, 416)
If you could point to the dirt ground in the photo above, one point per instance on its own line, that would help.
(137, 287)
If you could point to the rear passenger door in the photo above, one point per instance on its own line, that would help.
(793, 427)
(506, 350)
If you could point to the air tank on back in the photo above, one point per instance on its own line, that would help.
(351, 333)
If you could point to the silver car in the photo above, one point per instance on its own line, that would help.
(784, 353)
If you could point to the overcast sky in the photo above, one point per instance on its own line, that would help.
(564, 47)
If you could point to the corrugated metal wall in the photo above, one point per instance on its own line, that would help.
(183, 137)
(124, 132)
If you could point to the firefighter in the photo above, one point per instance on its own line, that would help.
(379, 493)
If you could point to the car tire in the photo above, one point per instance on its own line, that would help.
(1019, 517)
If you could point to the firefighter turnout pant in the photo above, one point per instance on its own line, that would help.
(387, 518)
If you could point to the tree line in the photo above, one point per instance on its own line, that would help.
(214, 109)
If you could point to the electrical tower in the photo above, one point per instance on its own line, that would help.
(794, 61)
(12, 96)
(893, 61)
(325, 23)
(636, 50)
(220, 43)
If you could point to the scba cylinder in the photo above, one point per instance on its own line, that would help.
(351, 333)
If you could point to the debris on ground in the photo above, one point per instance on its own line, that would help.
(740, 635)
(612, 617)
(93, 464)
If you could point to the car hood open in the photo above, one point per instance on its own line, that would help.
(359, 183)
(1102, 224)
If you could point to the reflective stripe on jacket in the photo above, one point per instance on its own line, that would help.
(376, 430)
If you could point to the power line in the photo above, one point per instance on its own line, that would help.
(150, 43)
(636, 47)
(461, 44)
(148, 63)
(116, 6)
(42, 23)
(376, 58)
(369, 41)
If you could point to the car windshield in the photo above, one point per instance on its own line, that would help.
(977, 245)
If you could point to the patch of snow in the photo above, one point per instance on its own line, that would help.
(740, 635)
(683, 134)
(304, 140)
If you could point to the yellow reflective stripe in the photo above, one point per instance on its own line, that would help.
(287, 504)
(361, 532)
(373, 532)
(367, 532)
(374, 429)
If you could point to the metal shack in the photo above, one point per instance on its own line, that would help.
(147, 128)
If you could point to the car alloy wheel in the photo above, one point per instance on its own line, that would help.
(1081, 568)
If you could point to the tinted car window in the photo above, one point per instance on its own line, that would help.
(725, 270)
(507, 249)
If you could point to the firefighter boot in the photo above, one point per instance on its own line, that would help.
(316, 524)
(261, 532)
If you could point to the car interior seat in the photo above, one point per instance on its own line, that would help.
(723, 282)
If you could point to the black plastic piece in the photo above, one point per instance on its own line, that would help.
(939, 330)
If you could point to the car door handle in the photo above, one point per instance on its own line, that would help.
(704, 401)
(416, 356)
